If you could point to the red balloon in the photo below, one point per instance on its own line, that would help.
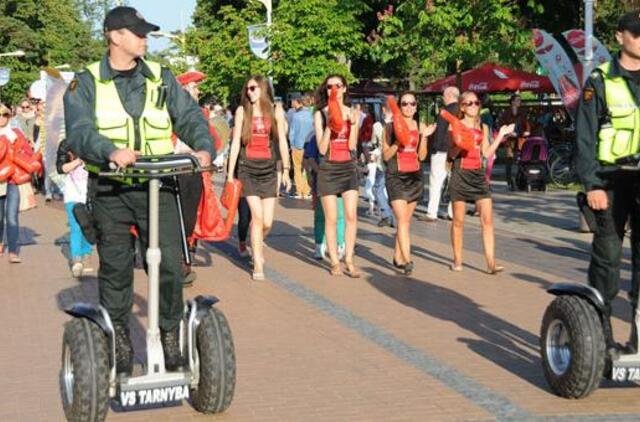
(400, 126)
(462, 136)
(20, 176)
(336, 121)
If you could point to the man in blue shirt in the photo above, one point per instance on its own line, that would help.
(300, 126)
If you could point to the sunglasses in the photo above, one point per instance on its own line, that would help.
(408, 103)
(5, 115)
(252, 88)
(338, 86)
(471, 103)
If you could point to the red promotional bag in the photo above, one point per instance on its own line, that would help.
(210, 225)
(336, 121)
(462, 136)
(6, 163)
(400, 126)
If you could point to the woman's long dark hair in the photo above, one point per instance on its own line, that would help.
(266, 106)
(321, 94)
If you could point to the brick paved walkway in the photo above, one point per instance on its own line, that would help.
(436, 346)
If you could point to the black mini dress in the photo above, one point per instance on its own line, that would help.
(257, 164)
(468, 180)
(403, 176)
(337, 170)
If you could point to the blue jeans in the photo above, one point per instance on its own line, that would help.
(380, 192)
(9, 207)
(78, 245)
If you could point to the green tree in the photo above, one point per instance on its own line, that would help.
(52, 32)
(309, 39)
(421, 40)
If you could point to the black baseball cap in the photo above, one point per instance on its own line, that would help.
(123, 17)
(630, 22)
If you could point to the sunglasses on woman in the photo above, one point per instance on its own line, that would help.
(338, 86)
(408, 103)
(471, 103)
(252, 88)
(5, 115)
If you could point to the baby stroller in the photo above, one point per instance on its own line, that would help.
(532, 167)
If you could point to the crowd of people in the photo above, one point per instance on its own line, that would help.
(327, 145)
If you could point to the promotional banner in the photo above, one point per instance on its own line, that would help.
(576, 39)
(258, 42)
(56, 84)
(562, 74)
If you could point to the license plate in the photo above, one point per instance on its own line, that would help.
(153, 397)
(534, 171)
(625, 373)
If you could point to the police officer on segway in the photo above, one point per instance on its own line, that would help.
(607, 128)
(118, 109)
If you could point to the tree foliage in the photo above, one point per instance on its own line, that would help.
(423, 40)
(52, 33)
(310, 39)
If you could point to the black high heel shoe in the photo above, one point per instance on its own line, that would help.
(399, 266)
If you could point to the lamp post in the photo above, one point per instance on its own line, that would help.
(269, 6)
(588, 35)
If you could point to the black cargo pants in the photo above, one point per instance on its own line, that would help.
(606, 251)
(115, 212)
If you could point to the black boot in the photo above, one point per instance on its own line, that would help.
(124, 349)
(173, 360)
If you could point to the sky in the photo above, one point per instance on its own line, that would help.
(165, 14)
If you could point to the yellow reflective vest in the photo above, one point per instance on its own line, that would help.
(153, 127)
(621, 138)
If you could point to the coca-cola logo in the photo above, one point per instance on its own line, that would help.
(544, 50)
(576, 38)
(530, 85)
(480, 86)
(538, 38)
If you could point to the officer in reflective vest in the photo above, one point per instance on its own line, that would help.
(117, 109)
(607, 128)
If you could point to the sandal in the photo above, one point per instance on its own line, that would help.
(495, 270)
(336, 270)
(456, 268)
(352, 271)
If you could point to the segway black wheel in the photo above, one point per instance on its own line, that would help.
(84, 376)
(217, 359)
(573, 347)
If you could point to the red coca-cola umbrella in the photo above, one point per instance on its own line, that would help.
(493, 78)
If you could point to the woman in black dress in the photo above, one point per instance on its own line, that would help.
(258, 132)
(468, 181)
(337, 173)
(403, 175)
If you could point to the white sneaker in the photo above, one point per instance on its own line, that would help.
(320, 251)
(76, 269)
(341, 250)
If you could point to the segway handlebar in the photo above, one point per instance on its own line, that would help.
(158, 166)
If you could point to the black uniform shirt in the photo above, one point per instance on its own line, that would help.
(441, 140)
(188, 120)
(589, 116)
